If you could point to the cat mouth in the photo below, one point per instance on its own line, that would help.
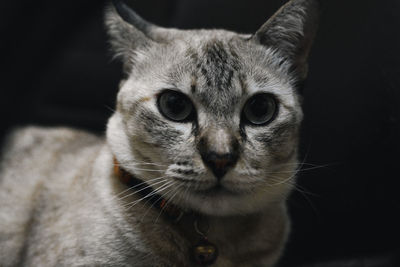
(217, 190)
(210, 189)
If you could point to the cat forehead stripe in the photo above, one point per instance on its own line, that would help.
(218, 65)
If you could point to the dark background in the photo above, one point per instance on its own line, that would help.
(57, 69)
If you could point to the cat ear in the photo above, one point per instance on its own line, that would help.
(129, 32)
(291, 31)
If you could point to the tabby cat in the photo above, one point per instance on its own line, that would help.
(197, 163)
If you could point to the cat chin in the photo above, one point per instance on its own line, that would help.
(230, 204)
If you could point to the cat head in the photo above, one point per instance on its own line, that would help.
(210, 118)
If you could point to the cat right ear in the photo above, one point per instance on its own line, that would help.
(129, 32)
(291, 31)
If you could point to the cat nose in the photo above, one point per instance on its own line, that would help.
(219, 149)
(219, 163)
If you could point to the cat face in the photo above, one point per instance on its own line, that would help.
(210, 118)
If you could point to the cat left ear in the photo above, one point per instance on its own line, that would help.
(291, 31)
(129, 32)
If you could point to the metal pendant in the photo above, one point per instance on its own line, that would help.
(205, 253)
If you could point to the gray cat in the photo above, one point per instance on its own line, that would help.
(198, 160)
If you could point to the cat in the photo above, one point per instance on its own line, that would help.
(198, 159)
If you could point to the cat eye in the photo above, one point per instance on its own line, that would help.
(175, 105)
(260, 109)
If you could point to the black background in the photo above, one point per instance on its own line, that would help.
(57, 69)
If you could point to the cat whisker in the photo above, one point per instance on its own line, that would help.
(160, 185)
(300, 169)
(131, 204)
(110, 108)
(315, 167)
(186, 193)
(175, 191)
(138, 185)
(172, 182)
(290, 181)
(154, 193)
(158, 190)
(280, 181)
(303, 190)
(145, 163)
(301, 164)
(147, 170)
(144, 188)
(159, 198)
(151, 206)
(137, 163)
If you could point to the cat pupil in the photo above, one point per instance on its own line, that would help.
(176, 104)
(259, 107)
